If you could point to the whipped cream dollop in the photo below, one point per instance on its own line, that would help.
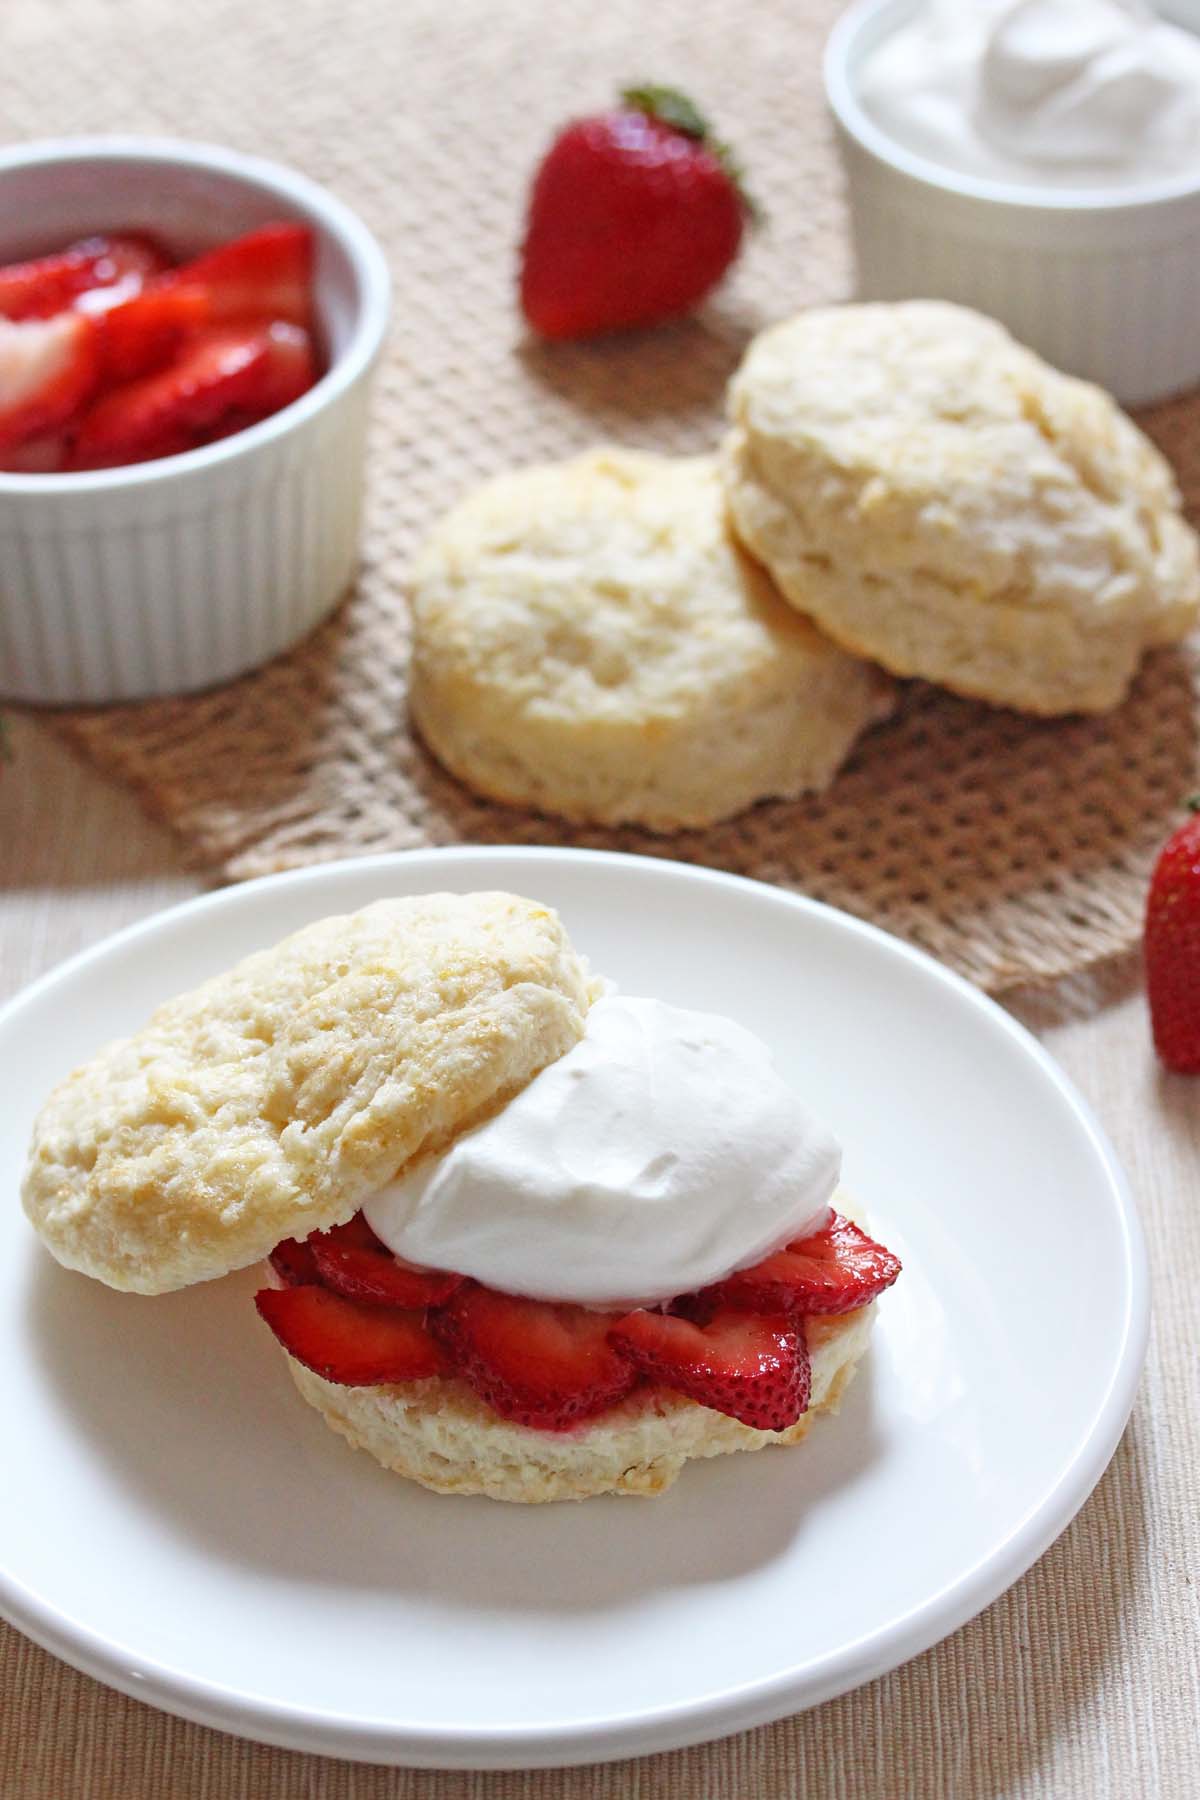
(661, 1153)
(1061, 93)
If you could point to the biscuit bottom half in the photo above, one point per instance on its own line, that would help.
(439, 1433)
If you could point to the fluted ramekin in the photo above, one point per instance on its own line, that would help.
(174, 575)
(1101, 282)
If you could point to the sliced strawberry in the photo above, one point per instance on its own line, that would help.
(833, 1271)
(45, 285)
(536, 1363)
(352, 1260)
(45, 455)
(753, 1367)
(141, 332)
(356, 1346)
(267, 274)
(291, 366)
(290, 372)
(217, 372)
(122, 257)
(48, 368)
(294, 1263)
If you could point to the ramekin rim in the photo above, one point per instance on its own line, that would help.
(853, 118)
(343, 223)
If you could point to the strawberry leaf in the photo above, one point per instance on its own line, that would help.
(669, 107)
(676, 110)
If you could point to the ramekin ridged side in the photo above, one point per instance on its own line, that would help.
(116, 595)
(1101, 283)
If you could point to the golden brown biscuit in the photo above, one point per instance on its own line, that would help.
(935, 496)
(271, 1101)
(588, 640)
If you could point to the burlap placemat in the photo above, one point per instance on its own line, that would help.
(1013, 850)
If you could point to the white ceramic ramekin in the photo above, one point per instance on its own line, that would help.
(174, 575)
(1102, 282)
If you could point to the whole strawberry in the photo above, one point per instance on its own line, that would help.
(1173, 948)
(634, 216)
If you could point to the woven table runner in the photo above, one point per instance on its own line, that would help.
(1014, 850)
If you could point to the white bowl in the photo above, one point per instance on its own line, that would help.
(174, 575)
(1100, 281)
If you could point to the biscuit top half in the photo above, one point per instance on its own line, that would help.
(274, 1099)
(921, 437)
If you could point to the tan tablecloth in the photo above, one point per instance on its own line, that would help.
(1081, 1683)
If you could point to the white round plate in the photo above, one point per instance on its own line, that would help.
(177, 1522)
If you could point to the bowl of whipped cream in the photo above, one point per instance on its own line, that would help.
(1038, 160)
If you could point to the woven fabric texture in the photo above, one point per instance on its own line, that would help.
(1014, 850)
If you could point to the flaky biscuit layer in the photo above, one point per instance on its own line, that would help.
(935, 496)
(274, 1099)
(589, 640)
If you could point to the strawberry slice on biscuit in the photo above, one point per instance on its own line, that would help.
(536, 1363)
(751, 1366)
(351, 1260)
(294, 1263)
(356, 1346)
(832, 1271)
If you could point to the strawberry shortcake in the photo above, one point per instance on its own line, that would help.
(526, 1237)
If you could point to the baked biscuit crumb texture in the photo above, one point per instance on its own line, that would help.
(438, 1433)
(589, 640)
(938, 498)
(271, 1101)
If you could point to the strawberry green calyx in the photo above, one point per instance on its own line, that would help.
(669, 107)
(674, 109)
